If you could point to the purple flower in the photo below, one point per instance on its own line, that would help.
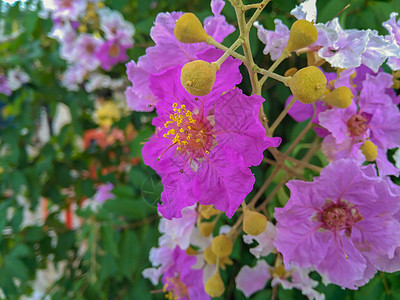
(168, 52)
(204, 146)
(372, 116)
(275, 41)
(104, 192)
(4, 86)
(116, 27)
(111, 52)
(70, 9)
(84, 49)
(393, 28)
(339, 223)
(179, 279)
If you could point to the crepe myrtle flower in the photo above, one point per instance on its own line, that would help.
(168, 52)
(339, 223)
(179, 279)
(204, 146)
(112, 52)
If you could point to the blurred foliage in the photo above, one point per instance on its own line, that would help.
(107, 252)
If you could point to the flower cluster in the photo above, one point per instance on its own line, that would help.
(342, 48)
(91, 36)
(344, 224)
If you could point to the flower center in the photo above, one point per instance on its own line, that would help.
(189, 132)
(357, 124)
(176, 288)
(338, 216)
(114, 50)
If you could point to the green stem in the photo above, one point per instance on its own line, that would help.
(281, 116)
(285, 54)
(228, 52)
(211, 41)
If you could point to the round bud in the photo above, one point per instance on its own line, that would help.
(197, 77)
(254, 222)
(340, 97)
(214, 286)
(370, 150)
(308, 84)
(206, 228)
(302, 34)
(222, 246)
(209, 256)
(188, 29)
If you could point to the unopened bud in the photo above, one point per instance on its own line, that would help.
(197, 77)
(222, 246)
(188, 29)
(340, 97)
(207, 211)
(214, 286)
(206, 228)
(302, 34)
(308, 84)
(209, 256)
(370, 150)
(254, 222)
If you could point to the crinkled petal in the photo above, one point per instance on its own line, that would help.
(306, 10)
(341, 270)
(223, 180)
(378, 50)
(237, 125)
(216, 26)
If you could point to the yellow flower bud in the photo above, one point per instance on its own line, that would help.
(302, 34)
(207, 211)
(215, 286)
(206, 228)
(222, 246)
(308, 84)
(254, 222)
(197, 77)
(370, 150)
(340, 97)
(209, 256)
(188, 29)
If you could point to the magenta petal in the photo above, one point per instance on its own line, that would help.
(177, 194)
(223, 180)
(237, 125)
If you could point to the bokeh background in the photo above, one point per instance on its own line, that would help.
(55, 238)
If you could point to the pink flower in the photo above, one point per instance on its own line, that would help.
(111, 52)
(339, 223)
(104, 192)
(4, 85)
(204, 146)
(83, 52)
